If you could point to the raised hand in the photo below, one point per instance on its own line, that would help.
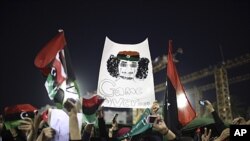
(27, 126)
(46, 134)
(160, 126)
(209, 106)
(206, 135)
(239, 121)
(225, 134)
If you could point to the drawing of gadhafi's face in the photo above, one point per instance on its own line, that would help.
(128, 69)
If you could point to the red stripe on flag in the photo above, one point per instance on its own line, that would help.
(19, 108)
(185, 111)
(91, 105)
(48, 52)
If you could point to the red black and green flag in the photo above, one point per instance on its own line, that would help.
(90, 106)
(178, 111)
(48, 53)
(13, 114)
(54, 62)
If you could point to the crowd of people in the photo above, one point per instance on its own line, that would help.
(36, 128)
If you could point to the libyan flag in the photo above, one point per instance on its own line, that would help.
(46, 56)
(90, 106)
(14, 114)
(178, 111)
(54, 62)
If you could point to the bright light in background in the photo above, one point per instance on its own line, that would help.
(81, 85)
(181, 100)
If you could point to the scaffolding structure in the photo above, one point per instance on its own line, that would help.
(222, 94)
(221, 82)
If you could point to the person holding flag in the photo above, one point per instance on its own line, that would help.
(54, 62)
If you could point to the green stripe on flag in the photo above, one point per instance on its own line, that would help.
(51, 89)
(140, 127)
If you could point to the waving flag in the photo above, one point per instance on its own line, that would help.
(48, 53)
(51, 59)
(54, 62)
(90, 106)
(178, 110)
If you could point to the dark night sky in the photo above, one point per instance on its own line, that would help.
(199, 27)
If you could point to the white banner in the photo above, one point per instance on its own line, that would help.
(59, 121)
(126, 75)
